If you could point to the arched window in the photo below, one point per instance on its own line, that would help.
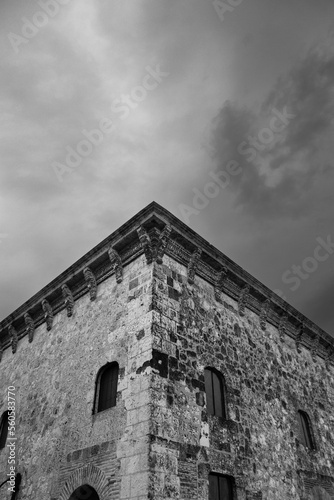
(106, 387)
(215, 392)
(3, 429)
(305, 434)
(220, 487)
(84, 492)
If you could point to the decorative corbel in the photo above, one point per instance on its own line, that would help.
(299, 337)
(329, 356)
(162, 243)
(48, 314)
(116, 263)
(154, 247)
(264, 314)
(14, 339)
(91, 282)
(219, 283)
(146, 244)
(282, 327)
(193, 265)
(315, 346)
(68, 298)
(30, 326)
(243, 299)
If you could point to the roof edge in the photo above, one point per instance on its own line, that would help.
(182, 243)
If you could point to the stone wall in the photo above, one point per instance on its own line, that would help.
(59, 440)
(267, 381)
(167, 306)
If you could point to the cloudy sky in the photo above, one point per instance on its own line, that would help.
(220, 112)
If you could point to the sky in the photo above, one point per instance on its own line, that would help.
(220, 111)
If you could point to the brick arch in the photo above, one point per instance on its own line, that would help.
(89, 474)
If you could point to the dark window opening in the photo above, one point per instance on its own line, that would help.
(220, 487)
(3, 429)
(215, 393)
(18, 479)
(84, 492)
(106, 387)
(305, 434)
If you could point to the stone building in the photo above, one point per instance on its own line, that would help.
(156, 368)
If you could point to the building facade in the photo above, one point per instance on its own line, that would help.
(156, 368)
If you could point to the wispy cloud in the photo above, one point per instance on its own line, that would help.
(276, 178)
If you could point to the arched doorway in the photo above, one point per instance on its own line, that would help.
(90, 477)
(84, 492)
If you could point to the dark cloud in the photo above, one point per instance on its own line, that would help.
(279, 173)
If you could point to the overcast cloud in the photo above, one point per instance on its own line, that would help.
(211, 86)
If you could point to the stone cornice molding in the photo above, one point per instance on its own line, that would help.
(48, 314)
(162, 233)
(282, 326)
(91, 282)
(30, 326)
(243, 299)
(218, 287)
(68, 299)
(116, 262)
(14, 339)
(264, 313)
(155, 243)
(193, 265)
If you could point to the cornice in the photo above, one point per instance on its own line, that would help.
(153, 232)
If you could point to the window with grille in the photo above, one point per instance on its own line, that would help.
(3, 429)
(106, 387)
(215, 392)
(220, 487)
(305, 434)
